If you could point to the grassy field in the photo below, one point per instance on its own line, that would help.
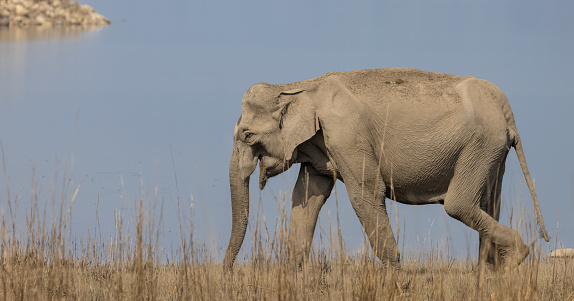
(43, 262)
(41, 259)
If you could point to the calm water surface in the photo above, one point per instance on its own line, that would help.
(120, 111)
(80, 110)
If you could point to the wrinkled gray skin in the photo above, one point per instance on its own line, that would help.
(414, 136)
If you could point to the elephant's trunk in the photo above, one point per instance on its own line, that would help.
(240, 210)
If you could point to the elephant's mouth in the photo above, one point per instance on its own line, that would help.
(262, 173)
(270, 167)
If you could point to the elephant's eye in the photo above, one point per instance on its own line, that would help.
(248, 135)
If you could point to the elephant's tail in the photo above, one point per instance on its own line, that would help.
(520, 153)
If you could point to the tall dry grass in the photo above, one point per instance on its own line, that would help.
(42, 260)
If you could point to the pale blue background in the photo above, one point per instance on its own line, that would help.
(170, 75)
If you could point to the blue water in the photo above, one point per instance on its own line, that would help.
(119, 111)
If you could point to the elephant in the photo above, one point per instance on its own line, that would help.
(413, 136)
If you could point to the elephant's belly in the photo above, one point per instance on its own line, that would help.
(412, 198)
(419, 186)
(420, 172)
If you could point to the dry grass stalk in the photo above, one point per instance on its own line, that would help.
(41, 259)
(41, 262)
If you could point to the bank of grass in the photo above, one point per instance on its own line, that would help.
(42, 261)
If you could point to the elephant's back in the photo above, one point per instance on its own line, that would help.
(402, 85)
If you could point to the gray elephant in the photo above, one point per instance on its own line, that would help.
(414, 136)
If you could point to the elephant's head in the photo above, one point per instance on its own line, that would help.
(274, 121)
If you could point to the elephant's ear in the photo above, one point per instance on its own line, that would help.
(298, 120)
(246, 158)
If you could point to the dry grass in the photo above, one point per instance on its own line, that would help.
(41, 260)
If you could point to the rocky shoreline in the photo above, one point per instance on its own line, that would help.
(24, 13)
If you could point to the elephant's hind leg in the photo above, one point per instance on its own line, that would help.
(490, 203)
(467, 188)
(309, 195)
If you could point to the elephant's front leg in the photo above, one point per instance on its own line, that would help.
(310, 193)
(366, 191)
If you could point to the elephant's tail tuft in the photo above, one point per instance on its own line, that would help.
(520, 154)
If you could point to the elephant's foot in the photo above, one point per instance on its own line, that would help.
(396, 266)
(392, 262)
(514, 255)
(297, 260)
(490, 255)
(489, 252)
(493, 259)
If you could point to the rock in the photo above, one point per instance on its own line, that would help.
(40, 19)
(56, 12)
(50, 12)
(562, 253)
(43, 4)
(86, 9)
(59, 12)
(20, 10)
